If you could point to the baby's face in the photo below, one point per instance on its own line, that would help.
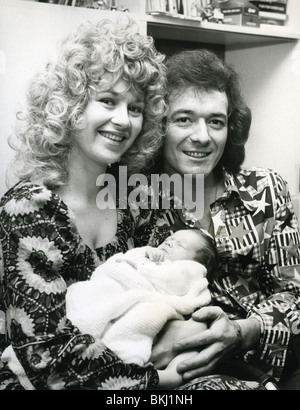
(182, 245)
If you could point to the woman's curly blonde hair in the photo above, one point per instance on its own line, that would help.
(58, 96)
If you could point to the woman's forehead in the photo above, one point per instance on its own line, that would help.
(110, 82)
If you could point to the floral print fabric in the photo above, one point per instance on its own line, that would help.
(43, 253)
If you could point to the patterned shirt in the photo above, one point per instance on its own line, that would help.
(258, 244)
(42, 254)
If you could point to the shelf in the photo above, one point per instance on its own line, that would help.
(165, 27)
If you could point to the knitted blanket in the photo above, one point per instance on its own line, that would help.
(130, 298)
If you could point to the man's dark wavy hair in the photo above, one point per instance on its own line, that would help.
(204, 70)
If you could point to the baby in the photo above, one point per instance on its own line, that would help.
(131, 296)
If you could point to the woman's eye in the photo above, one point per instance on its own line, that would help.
(107, 101)
(136, 110)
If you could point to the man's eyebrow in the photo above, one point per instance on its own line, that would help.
(219, 114)
(190, 112)
(182, 111)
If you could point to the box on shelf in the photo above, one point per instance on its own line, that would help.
(240, 13)
(242, 20)
(239, 7)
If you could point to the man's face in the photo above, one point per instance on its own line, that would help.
(196, 131)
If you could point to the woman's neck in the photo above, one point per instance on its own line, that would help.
(82, 182)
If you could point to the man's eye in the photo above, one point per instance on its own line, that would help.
(218, 124)
(183, 120)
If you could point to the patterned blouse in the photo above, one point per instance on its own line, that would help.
(258, 244)
(42, 254)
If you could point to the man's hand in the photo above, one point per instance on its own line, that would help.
(215, 343)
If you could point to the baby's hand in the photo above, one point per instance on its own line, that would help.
(130, 261)
(155, 255)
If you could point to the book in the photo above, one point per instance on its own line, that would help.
(273, 22)
(269, 15)
(195, 8)
(157, 5)
(270, 1)
(271, 6)
(180, 6)
(165, 6)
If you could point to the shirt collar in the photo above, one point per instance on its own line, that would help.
(236, 185)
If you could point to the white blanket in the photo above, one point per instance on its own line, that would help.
(126, 303)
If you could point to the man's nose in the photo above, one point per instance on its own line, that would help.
(200, 133)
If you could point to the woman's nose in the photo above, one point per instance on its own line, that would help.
(121, 116)
(200, 133)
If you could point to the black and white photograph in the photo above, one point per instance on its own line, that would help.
(149, 197)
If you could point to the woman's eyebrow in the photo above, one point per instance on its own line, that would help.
(137, 98)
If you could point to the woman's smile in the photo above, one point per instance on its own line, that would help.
(114, 137)
(196, 154)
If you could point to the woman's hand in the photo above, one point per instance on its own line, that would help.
(170, 378)
(173, 331)
(217, 342)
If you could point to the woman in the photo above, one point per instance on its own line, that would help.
(99, 103)
(256, 297)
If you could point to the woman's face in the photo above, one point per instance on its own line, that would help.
(114, 119)
(196, 131)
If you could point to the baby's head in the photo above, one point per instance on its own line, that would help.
(191, 244)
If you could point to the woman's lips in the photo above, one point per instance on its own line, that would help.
(196, 154)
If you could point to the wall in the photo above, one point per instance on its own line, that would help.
(272, 91)
(271, 85)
